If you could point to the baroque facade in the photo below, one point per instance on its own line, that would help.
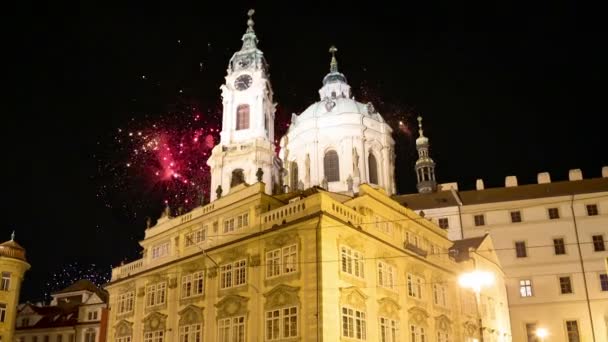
(13, 266)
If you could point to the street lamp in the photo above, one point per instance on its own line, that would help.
(476, 280)
(541, 333)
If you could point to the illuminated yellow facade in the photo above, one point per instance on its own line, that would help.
(306, 266)
(12, 268)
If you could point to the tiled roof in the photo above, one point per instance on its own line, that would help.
(54, 316)
(85, 285)
(460, 249)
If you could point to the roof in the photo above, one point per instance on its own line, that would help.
(84, 285)
(460, 248)
(53, 316)
(443, 199)
(12, 249)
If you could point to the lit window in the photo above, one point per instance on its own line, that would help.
(352, 262)
(373, 169)
(353, 324)
(559, 246)
(191, 333)
(553, 213)
(386, 275)
(520, 249)
(417, 333)
(196, 236)
(598, 243)
(231, 329)
(156, 294)
(331, 166)
(154, 336)
(440, 295)
(444, 223)
(125, 302)
(592, 209)
(242, 117)
(572, 330)
(233, 274)
(525, 288)
(5, 282)
(480, 220)
(160, 250)
(414, 286)
(516, 216)
(565, 285)
(389, 330)
(604, 281)
(281, 261)
(281, 323)
(193, 284)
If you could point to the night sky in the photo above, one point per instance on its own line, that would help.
(503, 91)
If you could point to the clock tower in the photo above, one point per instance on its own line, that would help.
(247, 138)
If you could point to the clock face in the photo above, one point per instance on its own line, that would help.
(243, 82)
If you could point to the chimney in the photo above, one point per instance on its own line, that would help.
(605, 172)
(510, 181)
(543, 178)
(448, 186)
(479, 184)
(575, 174)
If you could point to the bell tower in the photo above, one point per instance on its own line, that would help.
(246, 144)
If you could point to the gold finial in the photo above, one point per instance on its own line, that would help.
(250, 13)
(333, 67)
(420, 126)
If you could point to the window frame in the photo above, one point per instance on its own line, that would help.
(233, 326)
(125, 301)
(389, 329)
(160, 250)
(568, 284)
(189, 332)
(355, 319)
(243, 117)
(598, 245)
(415, 286)
(568, 332)
(592, 209)
(151, 294)
(515, 216)
(553, 213)
(194, 283)
(529, 289)
(386, 275)
(154, 336)
(479, 220)
(331, 166)
(5, 282)
(373, 170)
(518, 250)
(282, 319)
(232, 272)
(603, 277)
(559, 249)
(352, 259)
(443, 223)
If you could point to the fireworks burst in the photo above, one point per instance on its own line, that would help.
(73, 272)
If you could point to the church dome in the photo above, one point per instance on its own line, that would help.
(334, 106)
(12, 249)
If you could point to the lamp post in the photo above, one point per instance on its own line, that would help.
(475, 280)
(541, 333)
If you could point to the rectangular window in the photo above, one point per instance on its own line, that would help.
(160, 250)
(565, 285)
(559, 246)
(196, 237)
(525, 288)
(47, 338)
(553, 213)
(352, 262)
(389, 330)
(443, 336)
(520, 249)
(236, 223)
(353, 324)
(89, 336)
(592, 209)
(444, 223)
(92, 315)
(156, 294)
(572, 330)
(531, 332)
(281, 323)
(604, 281)
(480, 220)
(193, 284)
(231, 329)
(282, 261)
(5, 282)
(154, 336)
(440, 295)
(125, 302)
(516, 216)
(59, 338)
(70, 338)
(469, 303)
(191, 333)
(233, 274)
(386, 275)
(2, 312)
(417, 334)
(598, 243)
(414, 286)
(123, 339)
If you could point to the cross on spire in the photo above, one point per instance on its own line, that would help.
(333, 66)
(250, 22)
(420, 126)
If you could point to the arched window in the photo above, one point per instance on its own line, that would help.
(294, 176)
(331, 166)
(373, 169)
(238, 177)
(242, 116)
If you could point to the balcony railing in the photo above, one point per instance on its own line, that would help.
(415, 249)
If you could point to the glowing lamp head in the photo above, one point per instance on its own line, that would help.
(542, 332)
(476, 279)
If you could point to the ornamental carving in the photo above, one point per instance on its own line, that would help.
(212, 272)
(233, 254)
(172, 283)
(255, 260)
(193, 266)
(128, 287)
(191, 314)
(389, 307)
(442, 322)
(282, 295)
(232, 305)
(352, 296)
(470, 328)
(155, 321)
(124, 328)
(418, 315)
(283, 239)
(141, 291)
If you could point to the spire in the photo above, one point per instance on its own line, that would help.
(13, 236)
(425, 166)
(333, 66)
(249, 39)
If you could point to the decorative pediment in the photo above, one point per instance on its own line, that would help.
(128, 287)
(282, 295)
(123, 328)
(282, 239)
(470, 328)
(155, 321)
(352, 241)
(194, 266)
(442, 322)
(389, 307)
(418, 315)
(191, 314)
(352, 296)
(232, 255)
(232, 305)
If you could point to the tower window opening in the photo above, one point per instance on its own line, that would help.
(238, 177)
(373, 169)
(294, 175)
(331, 166)
(242, 117)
